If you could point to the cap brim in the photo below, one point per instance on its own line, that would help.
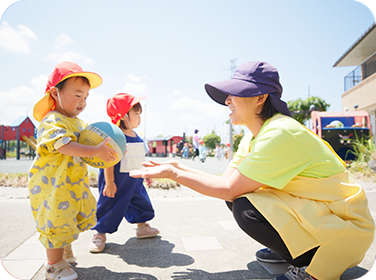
(94, 79)
(137, 100)
(43, 106)
(219, 91)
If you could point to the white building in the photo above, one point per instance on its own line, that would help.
(360, 84)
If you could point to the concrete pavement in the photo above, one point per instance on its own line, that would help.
(199, 240)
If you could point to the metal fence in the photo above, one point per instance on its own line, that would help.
(353, 78)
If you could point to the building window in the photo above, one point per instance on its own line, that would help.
(369, 67)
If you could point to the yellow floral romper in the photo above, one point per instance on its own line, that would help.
(61, 201)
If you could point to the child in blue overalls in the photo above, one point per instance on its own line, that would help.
(121, 196)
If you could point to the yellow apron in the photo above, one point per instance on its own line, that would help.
(331, 213)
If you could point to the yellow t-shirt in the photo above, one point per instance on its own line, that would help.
(61, 201)
(308, 196)
(282, 150)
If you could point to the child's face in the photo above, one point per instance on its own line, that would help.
(72, 96)
(134, 118)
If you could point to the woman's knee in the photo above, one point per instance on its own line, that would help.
(246, 215)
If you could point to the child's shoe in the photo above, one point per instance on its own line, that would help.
(146, 231)
(69, 255)
(98, 242)
(61, 270)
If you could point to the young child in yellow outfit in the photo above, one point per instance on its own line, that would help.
(61, 201)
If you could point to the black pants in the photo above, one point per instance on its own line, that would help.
(196, 153)
(253, 223)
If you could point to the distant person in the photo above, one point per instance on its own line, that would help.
(202, 151)
(61, 201)
(121, 196)
(196, 145)
(229, 152)
(218, 152)
(174, 149)
(286, 187)
(185, 151)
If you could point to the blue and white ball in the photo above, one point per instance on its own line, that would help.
(96, 133)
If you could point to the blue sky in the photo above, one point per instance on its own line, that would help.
(169, 49)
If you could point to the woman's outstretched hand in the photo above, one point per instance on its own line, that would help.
(153, 170)
(152, 163)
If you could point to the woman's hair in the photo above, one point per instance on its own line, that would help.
(84, 80)
(136, 107)
(268, 110)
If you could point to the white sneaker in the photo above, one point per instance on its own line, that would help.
(98, 243)
(146, 231)
(60, 271)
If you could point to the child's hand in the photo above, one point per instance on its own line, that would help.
(104, 152)
(148, 181)
(110, 189)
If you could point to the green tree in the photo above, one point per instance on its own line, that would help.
(211, 139)
(301, 109)
(236, 139)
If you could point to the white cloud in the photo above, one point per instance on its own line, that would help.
(211, 110)
(191, 118)
(134, 89)
(39, 83)
(134, 86)
(16, 41)
(61, 43)
(69, 56)
(135, 79)
(184, 103)
(95, 110)
(20, 101)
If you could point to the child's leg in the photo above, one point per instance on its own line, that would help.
(69, 255)
(139, 211)
(54, 255)
(56, 267)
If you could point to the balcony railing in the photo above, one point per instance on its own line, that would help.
(353, 78)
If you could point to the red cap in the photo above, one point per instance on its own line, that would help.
(62, 71)
(120, 104)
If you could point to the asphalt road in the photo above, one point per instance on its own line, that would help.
(198, 238)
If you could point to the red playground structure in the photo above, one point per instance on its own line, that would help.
(22, 129)
(340, 129)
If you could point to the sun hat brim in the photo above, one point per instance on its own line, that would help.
(43, 106)
(219, 91)
(94, 79)
(47, 103)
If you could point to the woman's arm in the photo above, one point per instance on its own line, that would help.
(229, 188)
(176, 164)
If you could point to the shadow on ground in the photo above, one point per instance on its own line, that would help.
(152, 252)
(255, 271)
(100, 272)
(353, 273)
